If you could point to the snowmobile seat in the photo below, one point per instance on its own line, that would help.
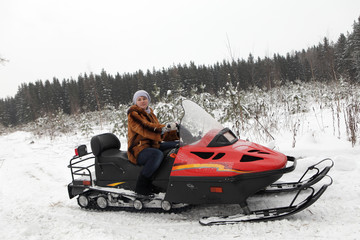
(110, 162)
(103, 142)
(107, 148)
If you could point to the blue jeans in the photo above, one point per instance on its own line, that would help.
(151, 158)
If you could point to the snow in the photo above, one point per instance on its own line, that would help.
(34, 202)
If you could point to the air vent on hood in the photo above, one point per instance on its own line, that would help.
(203, 155)
(218, 156)
(248, 158)
(258, 151)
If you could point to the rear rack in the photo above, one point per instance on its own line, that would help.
(81, 166)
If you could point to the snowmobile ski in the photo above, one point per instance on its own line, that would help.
(301, 184)
(270, 213)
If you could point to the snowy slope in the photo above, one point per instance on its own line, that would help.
(34, 203)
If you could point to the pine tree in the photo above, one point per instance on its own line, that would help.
(329, 58)
(66, 97)
(340, 56)
(251, 69)
(57, 95)
(24, 112)
(103, 88)
(353, 49)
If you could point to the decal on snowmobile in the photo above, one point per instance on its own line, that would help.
(218, 167)
(115, 184)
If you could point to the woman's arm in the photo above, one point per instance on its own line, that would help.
(143, 127)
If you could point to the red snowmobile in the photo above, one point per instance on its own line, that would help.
(210, 166)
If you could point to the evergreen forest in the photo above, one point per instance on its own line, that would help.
(326, 62)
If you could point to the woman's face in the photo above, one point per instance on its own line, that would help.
(142, 102)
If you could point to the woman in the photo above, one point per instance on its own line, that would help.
(145, 134)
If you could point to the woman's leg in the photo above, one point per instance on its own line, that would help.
(151, 159)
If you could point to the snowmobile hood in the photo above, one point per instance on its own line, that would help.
(240, 157)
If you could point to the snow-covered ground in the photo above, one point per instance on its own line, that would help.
(34, 202)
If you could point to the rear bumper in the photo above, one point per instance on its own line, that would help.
(74, 190)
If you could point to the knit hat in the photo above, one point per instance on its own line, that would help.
(141, 93)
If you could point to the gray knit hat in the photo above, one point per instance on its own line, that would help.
(141, 93)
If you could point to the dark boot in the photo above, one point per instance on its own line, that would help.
(155, 189)
(143, 185)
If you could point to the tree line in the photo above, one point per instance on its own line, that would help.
(325, 62)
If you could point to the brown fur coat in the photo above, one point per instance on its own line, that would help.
(144, 131)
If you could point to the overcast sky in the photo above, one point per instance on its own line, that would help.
(43, 39)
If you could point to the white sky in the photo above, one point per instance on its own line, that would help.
(43, 39)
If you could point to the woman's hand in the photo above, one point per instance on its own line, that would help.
(171, 126)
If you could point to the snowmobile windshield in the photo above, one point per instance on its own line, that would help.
(197, 124)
